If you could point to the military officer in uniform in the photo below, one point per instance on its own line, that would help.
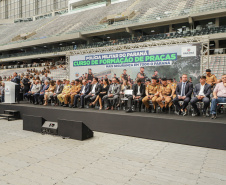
(174, 85)
(141, 75)
(210, 78)
(124, 76)
(75, 89)
(66, 90)
(152, 93)
(166, 93)
(90, 76)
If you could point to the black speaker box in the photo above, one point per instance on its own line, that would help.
(33, 123)
(74, 130)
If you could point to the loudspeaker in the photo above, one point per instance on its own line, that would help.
(74, 130)
(33, 123)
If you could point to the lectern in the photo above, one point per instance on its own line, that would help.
(9, 92)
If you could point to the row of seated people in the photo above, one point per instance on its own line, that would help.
(164, 95)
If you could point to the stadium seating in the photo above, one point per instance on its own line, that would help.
(89, 20)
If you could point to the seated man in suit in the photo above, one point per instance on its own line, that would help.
(202, 93)
(66, 90)
(38, 97)
(36, 88)
(183, 91)
(166, 94)
(75, 89)
(219, 96)
(138, 95)
(84, 91)
(95, 91)
(113, 93)
(58, 90)
(152, 93)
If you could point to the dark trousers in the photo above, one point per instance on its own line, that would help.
(89, 98)
(82, 97)
(185, 104)
(41, 98)
(110, 102)
(132, 101)
(205, 100)
(17, 93)
(36, 97)
(30, 97)
(54, 98)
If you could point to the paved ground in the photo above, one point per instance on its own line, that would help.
(28, 158)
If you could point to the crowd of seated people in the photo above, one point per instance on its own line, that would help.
(145, 92)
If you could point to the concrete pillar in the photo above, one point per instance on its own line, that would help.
(216, 43)
(170, 28)
(217, 22)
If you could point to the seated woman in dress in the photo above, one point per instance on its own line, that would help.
(49, 92)
(103, 92)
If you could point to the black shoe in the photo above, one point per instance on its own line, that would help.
(81, 107)
(41, 103)
(70, 106)
(36, 103)
(214, 116)
(129, 110)
(65, 105)
(163, 109)
(196, 114)
(74, 106)
(62, 104)
(153, 111)
(149, 110)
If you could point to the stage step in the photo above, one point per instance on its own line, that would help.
(7, 116)
(14, 114)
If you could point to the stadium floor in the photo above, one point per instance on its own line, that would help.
(106, 159)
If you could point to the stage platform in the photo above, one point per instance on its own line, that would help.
(196, 131)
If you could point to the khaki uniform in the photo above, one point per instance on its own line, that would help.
(165, 91)
(212, 80)
(152, 89)
(75, 89)
(65, 91)
(174, 85)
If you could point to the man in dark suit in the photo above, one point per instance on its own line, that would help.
(16, 80)
(138, 95)
(94, 91)
(183, 91)
(84, 91)
(113, 94)
(202, 93)
(58, 90)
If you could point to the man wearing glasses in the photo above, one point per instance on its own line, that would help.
(219, 96)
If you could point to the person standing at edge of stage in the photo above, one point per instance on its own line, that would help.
(16, 80)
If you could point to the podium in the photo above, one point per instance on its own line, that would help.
(9, 92)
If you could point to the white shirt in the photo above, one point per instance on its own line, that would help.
(83, 90)
(201, 92)
(93, 90)
(138, 91)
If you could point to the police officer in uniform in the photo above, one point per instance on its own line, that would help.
(75, 89)
(152, 93)
(124, 76)
(90, 76)
(166, 93)
(210, 78)
(141, 75)
(173, 84)
(16, 80)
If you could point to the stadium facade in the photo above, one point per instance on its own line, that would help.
(38, 29)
